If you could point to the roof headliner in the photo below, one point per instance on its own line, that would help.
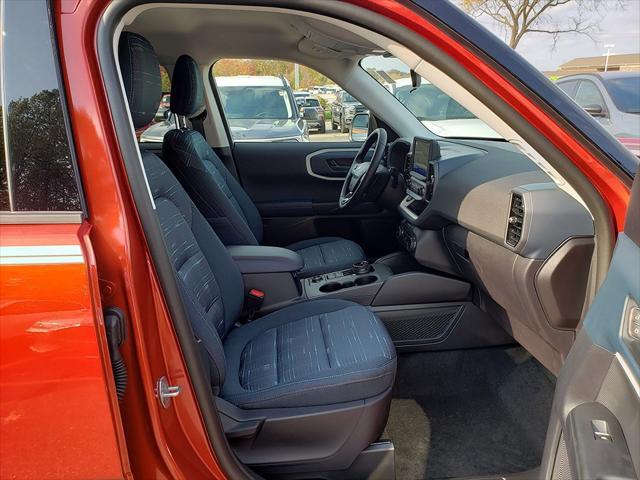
(208, 33)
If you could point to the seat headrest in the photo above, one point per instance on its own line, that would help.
(186, 88)
(141, 76)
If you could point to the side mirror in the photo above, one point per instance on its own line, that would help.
(166, 114)
(595, 110)
(359, 130)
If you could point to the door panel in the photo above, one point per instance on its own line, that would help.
(60, 416)
(282, 172)
(296, 188)
(598, 388)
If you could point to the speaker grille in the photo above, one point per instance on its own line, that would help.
(419, 325)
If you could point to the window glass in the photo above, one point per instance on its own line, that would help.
(625, 92)
(437, 111)
(568, 87)
(588, 95)
(4, 186)
(278, 101)
(40, 168)
(164, 120)
(243, 101)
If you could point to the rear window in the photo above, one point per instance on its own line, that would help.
(311, 102)
(348, 98)
(625, 93)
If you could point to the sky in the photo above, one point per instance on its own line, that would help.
(620, 27)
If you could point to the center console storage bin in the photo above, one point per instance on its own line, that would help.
(421, 287)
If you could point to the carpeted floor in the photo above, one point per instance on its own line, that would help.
(468, 412)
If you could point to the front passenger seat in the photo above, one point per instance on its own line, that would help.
(219, 196)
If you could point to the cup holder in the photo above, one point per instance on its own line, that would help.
(335, 286)
(366, 280)
(330, 287)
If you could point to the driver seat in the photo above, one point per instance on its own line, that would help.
(219, 196)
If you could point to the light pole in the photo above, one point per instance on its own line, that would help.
(609, 46)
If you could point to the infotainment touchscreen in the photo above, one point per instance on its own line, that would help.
(424, 150)
(421, 168)
(421, 156)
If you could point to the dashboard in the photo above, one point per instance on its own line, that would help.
(490, 189)
(484, 211)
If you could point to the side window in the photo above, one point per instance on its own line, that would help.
(568, 87)
(278, 101)
(588, 95)
(163, 121)
(37, 167)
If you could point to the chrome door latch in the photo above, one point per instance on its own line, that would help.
(165, 392)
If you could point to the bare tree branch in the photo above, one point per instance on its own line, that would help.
(521, 17)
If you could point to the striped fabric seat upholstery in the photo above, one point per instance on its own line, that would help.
(313, 353)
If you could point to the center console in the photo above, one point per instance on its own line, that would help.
(359, 283)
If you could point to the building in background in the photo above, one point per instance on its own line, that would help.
(628, 62)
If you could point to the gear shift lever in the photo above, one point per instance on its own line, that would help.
(360, 268)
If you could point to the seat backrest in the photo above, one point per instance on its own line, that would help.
(214, 190)
(210, 282)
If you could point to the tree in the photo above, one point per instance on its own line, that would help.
(520, 17)
(41, 170)
(237, 66)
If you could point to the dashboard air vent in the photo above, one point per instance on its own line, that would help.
(516, 217)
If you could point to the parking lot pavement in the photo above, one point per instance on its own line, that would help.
(329, 136)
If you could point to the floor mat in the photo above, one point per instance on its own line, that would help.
(468, 412)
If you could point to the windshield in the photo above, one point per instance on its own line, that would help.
(347, 98)
(437, 111)
(244, 102)
(625, 92)
(428, 103)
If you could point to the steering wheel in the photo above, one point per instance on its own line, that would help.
(361, 173)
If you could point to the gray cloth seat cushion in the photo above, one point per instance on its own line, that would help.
(319, 352)
(327, 254)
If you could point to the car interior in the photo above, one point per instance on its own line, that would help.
(401, 305)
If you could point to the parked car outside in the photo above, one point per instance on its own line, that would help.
(165, 103)
(440, 113)
(155, 133)
(612, 98)
(343, 110)
(300, 96)
(313, 113)
(261, 108)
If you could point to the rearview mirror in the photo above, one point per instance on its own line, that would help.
(359, 130)
(595, 110)
(416, 80)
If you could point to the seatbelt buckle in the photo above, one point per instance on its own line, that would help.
(253, 302)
